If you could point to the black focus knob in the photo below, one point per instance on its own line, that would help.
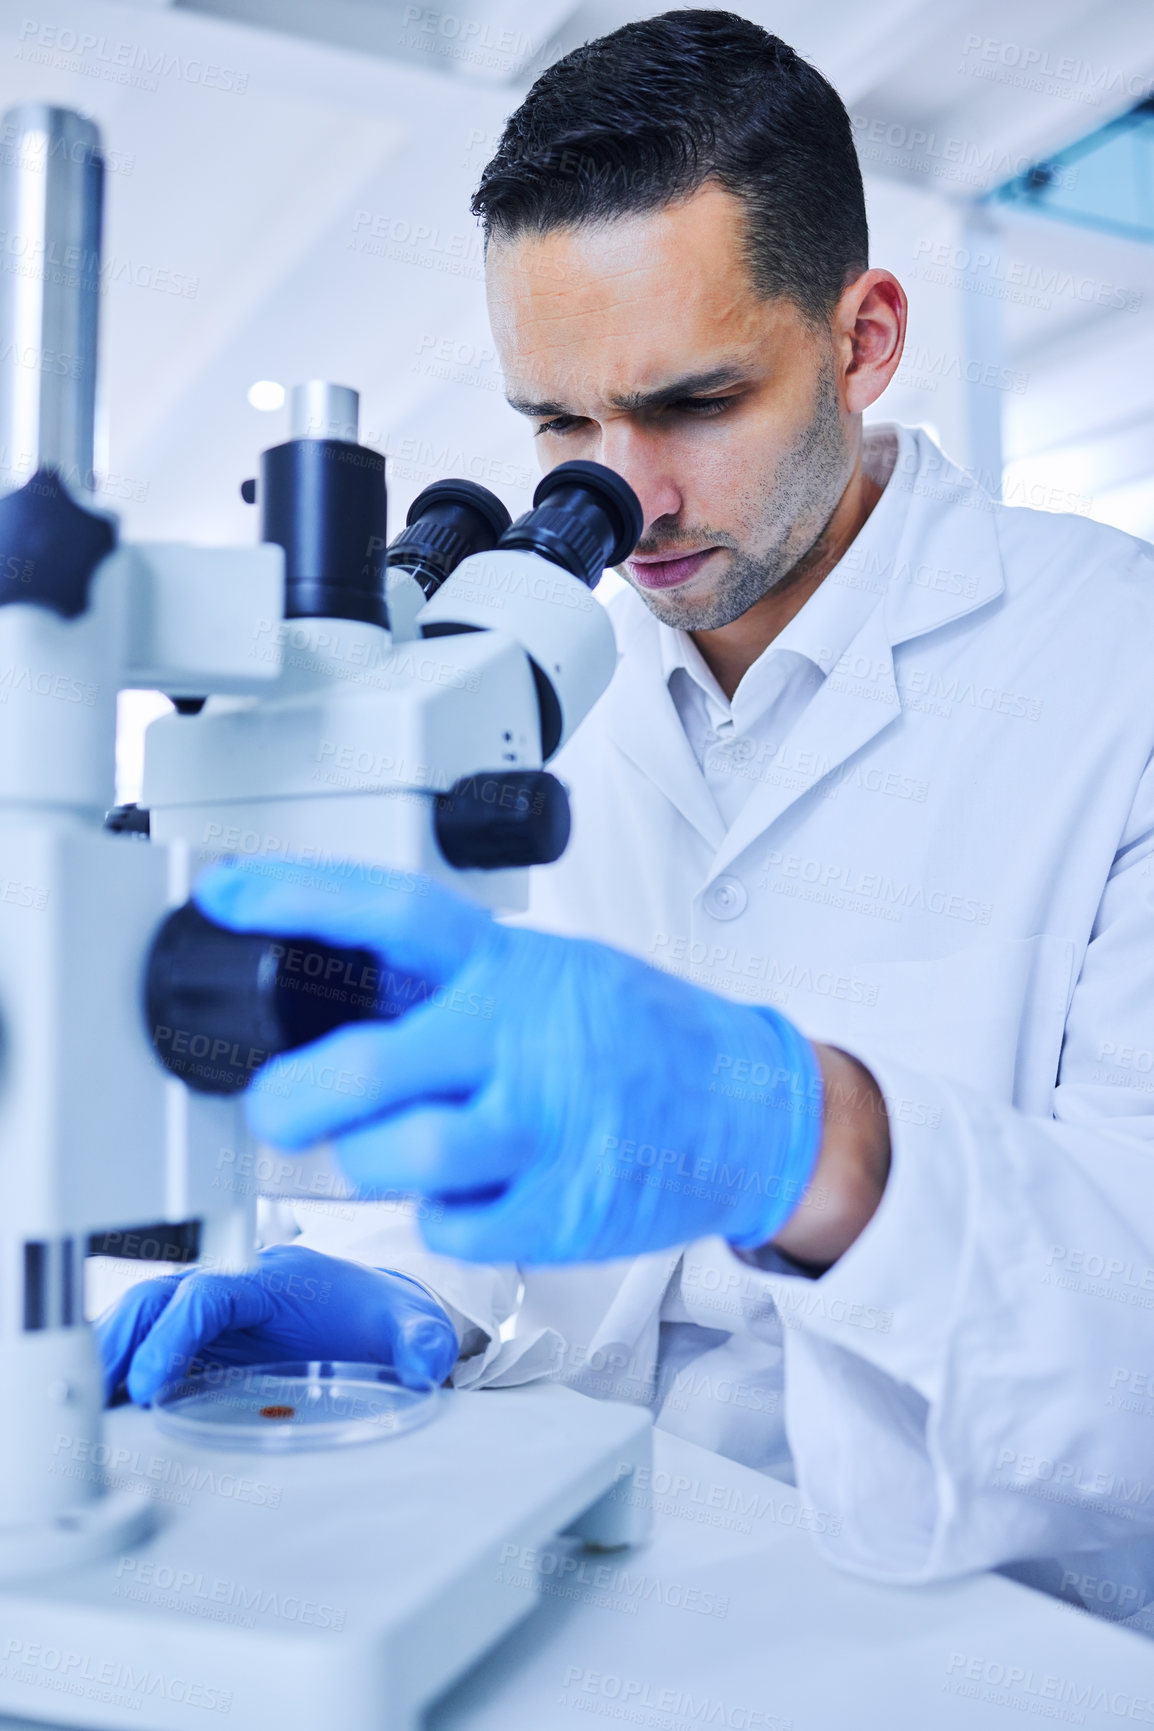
(50, 547)
(217, 1003)
(506, 818)
(128, 820)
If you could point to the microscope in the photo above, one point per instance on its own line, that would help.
(381, 709)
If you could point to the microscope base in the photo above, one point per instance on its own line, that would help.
(346, 1587)
(107, 1525)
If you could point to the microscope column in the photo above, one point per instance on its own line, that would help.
(81, 1105)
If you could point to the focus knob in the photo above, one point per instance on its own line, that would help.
(219, 1003)
(507, 818)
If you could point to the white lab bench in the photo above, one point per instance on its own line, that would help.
(727, 1625)
(432, 1545)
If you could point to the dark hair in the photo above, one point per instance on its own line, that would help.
(646, 115)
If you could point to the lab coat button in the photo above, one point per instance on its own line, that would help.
(725, 899)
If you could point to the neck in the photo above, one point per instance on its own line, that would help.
(731, 650)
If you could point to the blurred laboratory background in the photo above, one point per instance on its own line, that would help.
(288, 198)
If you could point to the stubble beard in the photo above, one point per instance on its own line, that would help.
(806, 490)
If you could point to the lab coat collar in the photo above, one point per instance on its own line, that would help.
(946, 560)
(927, 555)
(640, 718)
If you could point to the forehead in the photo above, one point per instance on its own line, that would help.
(606, 309)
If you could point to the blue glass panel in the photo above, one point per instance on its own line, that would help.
(1104, 181)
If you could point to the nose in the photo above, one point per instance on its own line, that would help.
(640, 461)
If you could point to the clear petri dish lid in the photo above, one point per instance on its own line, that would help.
(281, 1408)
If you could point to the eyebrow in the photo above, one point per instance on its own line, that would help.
(692, 384)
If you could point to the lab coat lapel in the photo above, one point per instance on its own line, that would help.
(945, 563)
(844, 714)
(638, 715)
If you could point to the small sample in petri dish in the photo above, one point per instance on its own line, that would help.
(279, 1408)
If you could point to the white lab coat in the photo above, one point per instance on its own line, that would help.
(947, 869)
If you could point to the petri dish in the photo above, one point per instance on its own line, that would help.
(282, 1408)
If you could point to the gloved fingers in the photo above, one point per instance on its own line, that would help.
(205, 1307)
(479, 1231)
(438, 1150)
(415, 926)
(365, 1071)
(422, 1340)
(527, 1223)
(125, 1324)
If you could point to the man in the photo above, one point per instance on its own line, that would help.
(874, 769)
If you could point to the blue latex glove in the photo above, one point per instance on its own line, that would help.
(295, 1304)
(563, 1101)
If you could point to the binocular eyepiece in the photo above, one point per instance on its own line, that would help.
(584, 518)
(322, 499)
(447, 523)
(218, 1003)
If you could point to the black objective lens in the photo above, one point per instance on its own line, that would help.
(323, 501)
(584, 518)
(446, 523)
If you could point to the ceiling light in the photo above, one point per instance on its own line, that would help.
(266, 394)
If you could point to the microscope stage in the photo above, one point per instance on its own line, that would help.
(344, 1587)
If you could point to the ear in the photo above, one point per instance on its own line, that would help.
(869, 330)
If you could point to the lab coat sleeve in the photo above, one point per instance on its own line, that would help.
(972, 1381)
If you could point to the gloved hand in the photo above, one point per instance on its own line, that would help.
(295, 1304)
(563, 1101)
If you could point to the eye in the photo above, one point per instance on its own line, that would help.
(701, 406)
(559, 424)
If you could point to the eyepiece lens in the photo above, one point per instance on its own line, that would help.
(446, 523)
(584, 518)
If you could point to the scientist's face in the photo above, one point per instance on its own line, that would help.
(641, 343)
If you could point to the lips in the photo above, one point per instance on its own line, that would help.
(667, 573)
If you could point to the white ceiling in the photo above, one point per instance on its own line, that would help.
(309, 195)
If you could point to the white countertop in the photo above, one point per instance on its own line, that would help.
(731, 1618)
